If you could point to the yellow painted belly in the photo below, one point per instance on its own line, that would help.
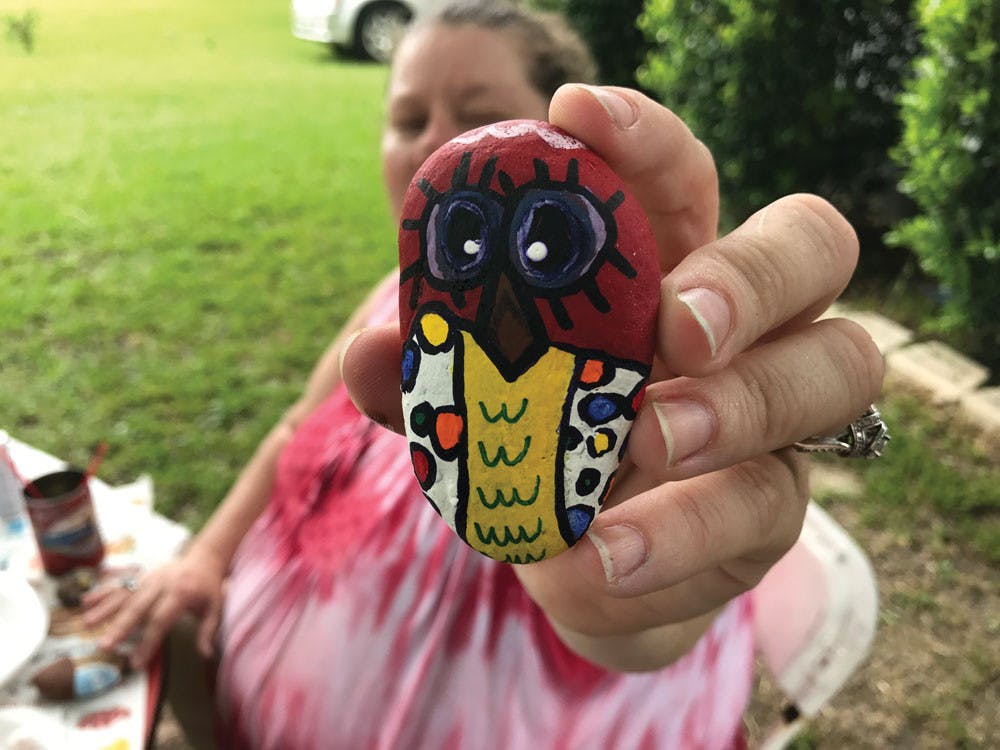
(513, 443)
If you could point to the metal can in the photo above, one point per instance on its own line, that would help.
(62, 515)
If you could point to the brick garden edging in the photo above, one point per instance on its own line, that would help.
(946, 375)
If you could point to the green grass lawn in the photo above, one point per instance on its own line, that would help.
(190, 205)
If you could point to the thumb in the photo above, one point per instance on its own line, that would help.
(670, 171)
(370, 368)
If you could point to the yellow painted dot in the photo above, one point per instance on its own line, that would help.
(435, 329)
(601, 443)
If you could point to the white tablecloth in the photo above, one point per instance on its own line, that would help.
(134, 535)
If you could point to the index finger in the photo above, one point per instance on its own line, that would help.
(670, 171)
(134, 612)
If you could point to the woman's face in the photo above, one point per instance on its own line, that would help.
(446, 80)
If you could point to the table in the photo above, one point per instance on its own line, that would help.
(134, 536)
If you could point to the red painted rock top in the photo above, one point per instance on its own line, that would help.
(598, 290)
(529, 286)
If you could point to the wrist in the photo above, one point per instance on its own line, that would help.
(207, 556)
(643, 651)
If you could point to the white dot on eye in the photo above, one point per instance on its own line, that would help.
(471, 247)
(537, 251)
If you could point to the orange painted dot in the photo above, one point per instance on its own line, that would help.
(448, 427)
(593, 371)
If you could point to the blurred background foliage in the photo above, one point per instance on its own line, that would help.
(888, 108)
(611, 31)
(950, 154)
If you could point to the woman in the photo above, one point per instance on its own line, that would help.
(353, 617)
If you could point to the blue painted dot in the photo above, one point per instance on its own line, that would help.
(579, 517)
(601, 409)
(410, 364)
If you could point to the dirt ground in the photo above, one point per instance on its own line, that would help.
(933, 679)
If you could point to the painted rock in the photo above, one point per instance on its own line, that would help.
(529, 286)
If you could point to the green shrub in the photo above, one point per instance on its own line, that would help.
(789, 95)
(950, 150)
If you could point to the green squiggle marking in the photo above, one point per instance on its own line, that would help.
(502, 414)
(502, 454)
(523, 536)
(515, 497)
(528, 558)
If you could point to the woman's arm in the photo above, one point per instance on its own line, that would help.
(225, 529)
(194, 582)
(646, 651)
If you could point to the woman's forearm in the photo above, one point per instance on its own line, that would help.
(646, 651)
(216, 543)
(222, 534)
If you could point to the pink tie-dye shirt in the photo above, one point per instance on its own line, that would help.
(356, 619)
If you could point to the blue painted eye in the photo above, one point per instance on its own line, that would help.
(460, 236)
(555, 237)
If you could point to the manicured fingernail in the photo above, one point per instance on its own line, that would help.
(622, 549)
(619, 109)
(711, 312)
(687, 426)
(343, 350)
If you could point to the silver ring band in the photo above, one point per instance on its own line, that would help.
(865, 437)
(129, 583)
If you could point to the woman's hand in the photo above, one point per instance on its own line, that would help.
(709, 496)
(192, 583)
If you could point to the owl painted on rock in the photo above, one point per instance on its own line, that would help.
(529, 286)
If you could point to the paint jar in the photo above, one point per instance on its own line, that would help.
(62, 515)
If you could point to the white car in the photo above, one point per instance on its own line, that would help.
(370, 28)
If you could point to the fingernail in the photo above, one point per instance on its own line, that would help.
(343, 350)
(687, 426)
(619, 109)
(711, 312)
(622, 549)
